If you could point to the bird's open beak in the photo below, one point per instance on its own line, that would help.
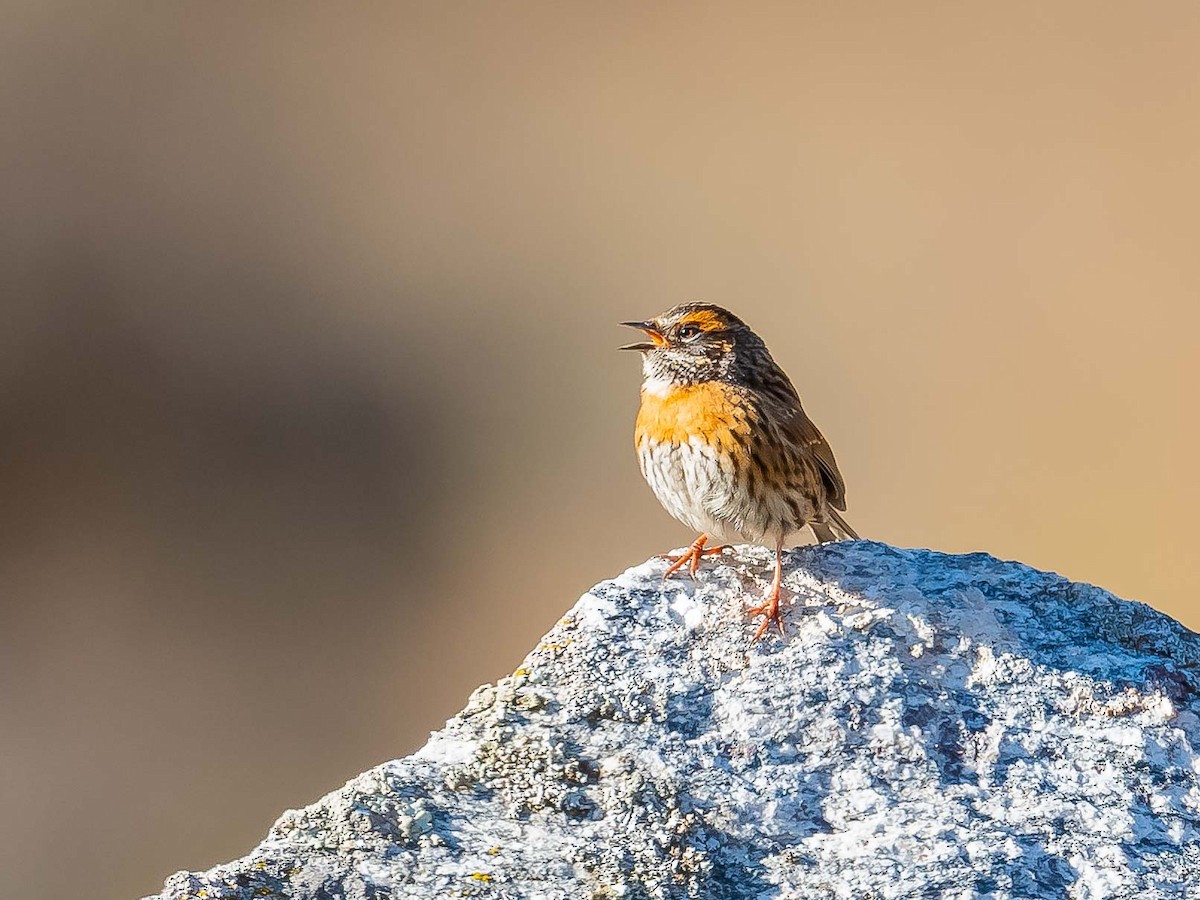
(650, 329)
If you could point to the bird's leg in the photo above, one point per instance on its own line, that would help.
(771, 606)
(691, 555)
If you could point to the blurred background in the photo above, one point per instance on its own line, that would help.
(310, 414)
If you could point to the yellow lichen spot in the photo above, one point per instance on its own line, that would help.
(481, 876)
(520, 672)
(260, 865)
(493, 851)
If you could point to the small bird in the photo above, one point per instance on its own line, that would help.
(724, 442)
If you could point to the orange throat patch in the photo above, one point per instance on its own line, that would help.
(710, 411)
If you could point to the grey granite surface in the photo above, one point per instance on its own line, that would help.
(932, 726)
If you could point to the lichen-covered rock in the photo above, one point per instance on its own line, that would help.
(933, 726)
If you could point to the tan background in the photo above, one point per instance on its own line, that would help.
(310, 417)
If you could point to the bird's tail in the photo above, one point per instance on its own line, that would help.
(841, 529)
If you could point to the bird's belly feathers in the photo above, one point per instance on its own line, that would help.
(691, 483)
(703, 491)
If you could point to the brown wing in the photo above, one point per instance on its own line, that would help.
(807, 435)
(778, 389)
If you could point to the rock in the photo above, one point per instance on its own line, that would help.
(933, 726)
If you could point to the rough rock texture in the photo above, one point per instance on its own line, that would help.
(934, 726)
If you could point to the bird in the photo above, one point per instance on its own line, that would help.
(725, 445)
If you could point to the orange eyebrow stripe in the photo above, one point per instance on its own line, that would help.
(704, 319)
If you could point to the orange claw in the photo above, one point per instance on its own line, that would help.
(771, 606)
(692, 555)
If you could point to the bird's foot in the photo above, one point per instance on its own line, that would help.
(770, 612)
(690, 557)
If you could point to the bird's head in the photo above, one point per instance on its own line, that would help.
(696, 342)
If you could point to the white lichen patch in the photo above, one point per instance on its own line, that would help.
(932, 726)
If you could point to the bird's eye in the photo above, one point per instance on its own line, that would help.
(687, 332)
